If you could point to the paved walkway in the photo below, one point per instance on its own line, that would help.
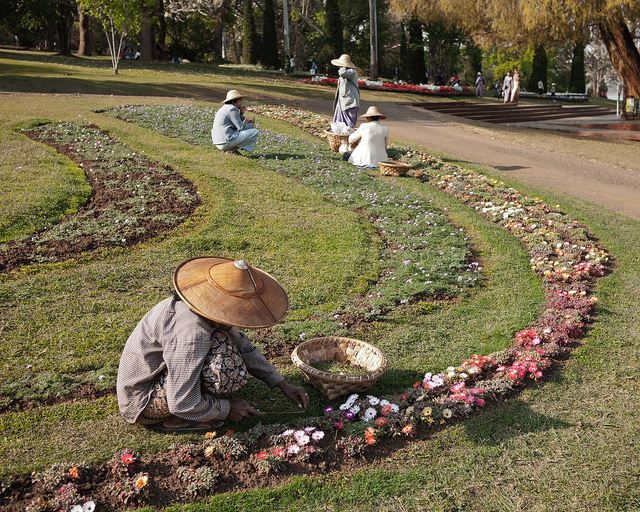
(603, 172)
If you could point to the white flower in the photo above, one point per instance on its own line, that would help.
(317, 435)
(394, 408)
(287, 433)
(89, 506)
(447, 413)
(309, 429)
(384, 402)
(293, 449)
(352, 399)
(76, 508)
(355, 409)
(344, 407)
(373, 400)
(369, 414)
(303, 440)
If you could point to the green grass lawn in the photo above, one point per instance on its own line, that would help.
(568, 444)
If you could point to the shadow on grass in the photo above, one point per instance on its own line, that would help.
(512, 419)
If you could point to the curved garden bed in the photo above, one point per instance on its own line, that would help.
(562, 253)
(133, 199)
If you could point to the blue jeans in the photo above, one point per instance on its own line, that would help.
(246, 139)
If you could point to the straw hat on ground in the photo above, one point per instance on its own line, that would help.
(233, 95)
(343, 62)
(231, 292)
(373, 112)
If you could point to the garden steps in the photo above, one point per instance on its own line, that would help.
(509, 113)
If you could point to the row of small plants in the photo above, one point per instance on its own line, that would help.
(562, 252)
(425, 256)
(422, 89)
(133, 199)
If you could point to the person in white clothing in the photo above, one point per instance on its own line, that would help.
(506, 87)
(373, 137)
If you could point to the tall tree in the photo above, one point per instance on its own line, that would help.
(539, 70)
(577, 76)
(269, 58)
(415, 52)
(249, 36)
(333, 27)
(85, 33)
(544, 21)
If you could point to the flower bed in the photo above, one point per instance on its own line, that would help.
(562, 253)
(424, 256)
(424, 90)
(133, 199)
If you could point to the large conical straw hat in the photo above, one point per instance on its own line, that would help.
(343, 62)
(373, 112)
(231, 292)
(233, 95)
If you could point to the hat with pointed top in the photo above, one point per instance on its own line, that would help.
(231, 292)
(343, 62)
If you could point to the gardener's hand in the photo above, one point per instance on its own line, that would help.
(295, 393)
(241, 409)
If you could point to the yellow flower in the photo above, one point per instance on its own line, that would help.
(211, 435)
(427, 411)
(208, 451)
(142, 481)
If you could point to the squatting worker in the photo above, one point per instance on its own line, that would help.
(231, 130)
(347, 99)
(372, 137)
(186, 357)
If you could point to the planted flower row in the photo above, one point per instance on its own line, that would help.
(562, 252)
(133, 199)
(424, 255)
(422, 89)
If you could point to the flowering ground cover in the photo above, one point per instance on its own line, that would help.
(562, 253)
(133, 199)
(424, 90)
(425, 255)
(569, 444)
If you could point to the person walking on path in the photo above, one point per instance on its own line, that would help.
(347, 99)
(540, 87)
(231, 130)
(186, 358)
(480, 83)
(506, 87)
(373, 137)
(515, 87)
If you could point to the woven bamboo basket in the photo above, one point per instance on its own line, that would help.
(341, 350)
(391, 168)
(336, 140)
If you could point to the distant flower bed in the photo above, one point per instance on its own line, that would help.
(425, 90)
(133, 199)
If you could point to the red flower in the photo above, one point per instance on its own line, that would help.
(381, 422)
(262, 455)
(339, 425)
(407, 430)
(127, 458)
(74, 473)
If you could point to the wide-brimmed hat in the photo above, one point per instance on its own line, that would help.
(233, 95)
(373, 112)
(343, 62)
(231, 292)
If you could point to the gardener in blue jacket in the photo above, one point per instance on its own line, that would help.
(347, 99)
(231, 131)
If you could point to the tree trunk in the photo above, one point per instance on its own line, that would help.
(623, 53)
(147, 44)
(373, 40)
(51, 36)
(63, 36)
(85, 45)
(162, 24)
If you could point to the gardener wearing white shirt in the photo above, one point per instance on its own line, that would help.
(373, 137)
(231, 131)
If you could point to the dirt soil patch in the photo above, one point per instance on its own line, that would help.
(133, 199)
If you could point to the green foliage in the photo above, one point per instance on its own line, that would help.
(333, 27)
(270, 58)
(249, 36)
(123, 15)
(577, 75)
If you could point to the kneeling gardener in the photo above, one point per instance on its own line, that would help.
(186, 356)
(231, 130)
